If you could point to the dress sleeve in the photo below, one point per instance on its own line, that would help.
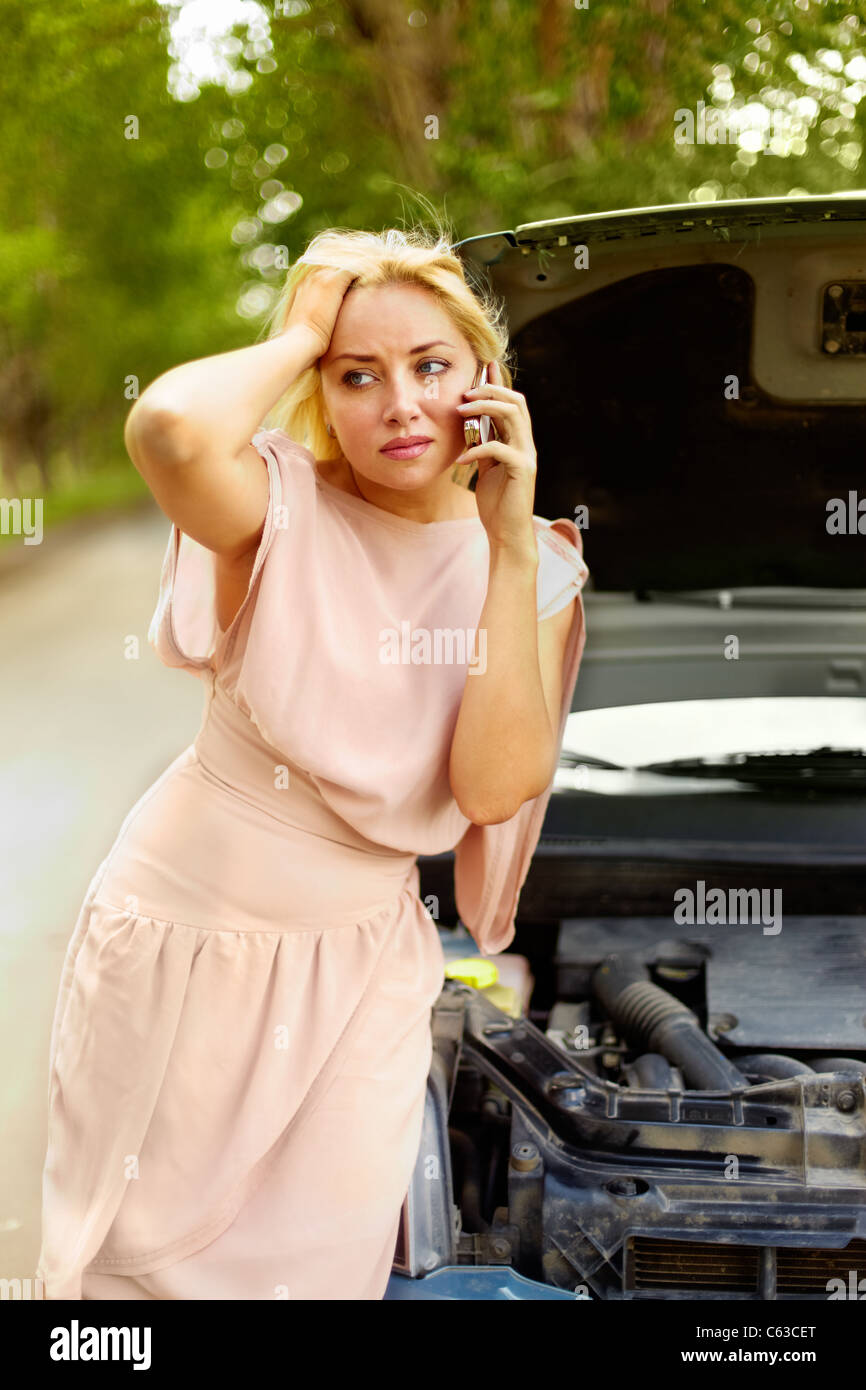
(184, 630)
(561, 573)
(491, 862)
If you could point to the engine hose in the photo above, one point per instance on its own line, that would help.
(653, 1018)
(652, 1072)
(848, 1064)
(774, 1065)
(470, 1188)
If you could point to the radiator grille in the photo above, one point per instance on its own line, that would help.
(652, 1263)
(679, 1264)
(807, 1271)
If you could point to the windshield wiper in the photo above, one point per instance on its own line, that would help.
(842, 769)
(754, 596)
(567, 758)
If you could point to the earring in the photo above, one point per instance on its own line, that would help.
(330, 429)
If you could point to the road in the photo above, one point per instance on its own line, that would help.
(84, 730)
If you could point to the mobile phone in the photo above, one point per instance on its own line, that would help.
(478, 428)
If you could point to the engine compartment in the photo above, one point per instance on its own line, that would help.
(628, 1134)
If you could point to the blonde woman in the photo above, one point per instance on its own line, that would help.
(242, 1035)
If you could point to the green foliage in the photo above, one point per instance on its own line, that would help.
(142, 222)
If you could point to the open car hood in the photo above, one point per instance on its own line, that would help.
(691, 925)
(696, 377)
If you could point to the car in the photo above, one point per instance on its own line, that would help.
(663, 1094)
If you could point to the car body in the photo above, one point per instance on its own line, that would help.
(677, 1108)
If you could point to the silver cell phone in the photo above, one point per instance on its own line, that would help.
(479, 428)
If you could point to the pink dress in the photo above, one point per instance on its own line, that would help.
(241, 1040)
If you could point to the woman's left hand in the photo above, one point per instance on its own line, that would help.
(505, 487)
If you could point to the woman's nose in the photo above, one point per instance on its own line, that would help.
(404, 399)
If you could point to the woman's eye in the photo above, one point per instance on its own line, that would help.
(427, 362)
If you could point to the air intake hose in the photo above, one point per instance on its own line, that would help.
(774, 1065)
(652, 1018)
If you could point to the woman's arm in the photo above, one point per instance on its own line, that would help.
(216, 496)
(505, 741)
(188, 434)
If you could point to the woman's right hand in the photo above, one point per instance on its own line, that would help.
(318, 300)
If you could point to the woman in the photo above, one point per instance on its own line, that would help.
(242, 1034)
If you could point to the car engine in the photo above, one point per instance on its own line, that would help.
(681, 1116)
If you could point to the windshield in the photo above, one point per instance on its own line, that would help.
(634, 735)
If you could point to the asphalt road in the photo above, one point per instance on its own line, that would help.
(83, 732)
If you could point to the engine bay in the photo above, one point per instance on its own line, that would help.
(660, 1116)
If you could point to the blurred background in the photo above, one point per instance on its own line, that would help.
(163, 164)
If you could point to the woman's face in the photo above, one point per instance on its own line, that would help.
(396, 368)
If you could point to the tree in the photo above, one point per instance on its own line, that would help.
(146, 219)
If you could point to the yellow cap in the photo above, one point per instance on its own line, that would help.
(505, 998)
(472, 970)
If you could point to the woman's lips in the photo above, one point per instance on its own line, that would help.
(406, 451)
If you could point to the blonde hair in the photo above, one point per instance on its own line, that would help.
(417, 256)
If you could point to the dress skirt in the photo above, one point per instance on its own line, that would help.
(241, 1043)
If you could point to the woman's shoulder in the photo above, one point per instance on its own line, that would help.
(562, 570)
(292, 462)
(282, 444)
(561, 535)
